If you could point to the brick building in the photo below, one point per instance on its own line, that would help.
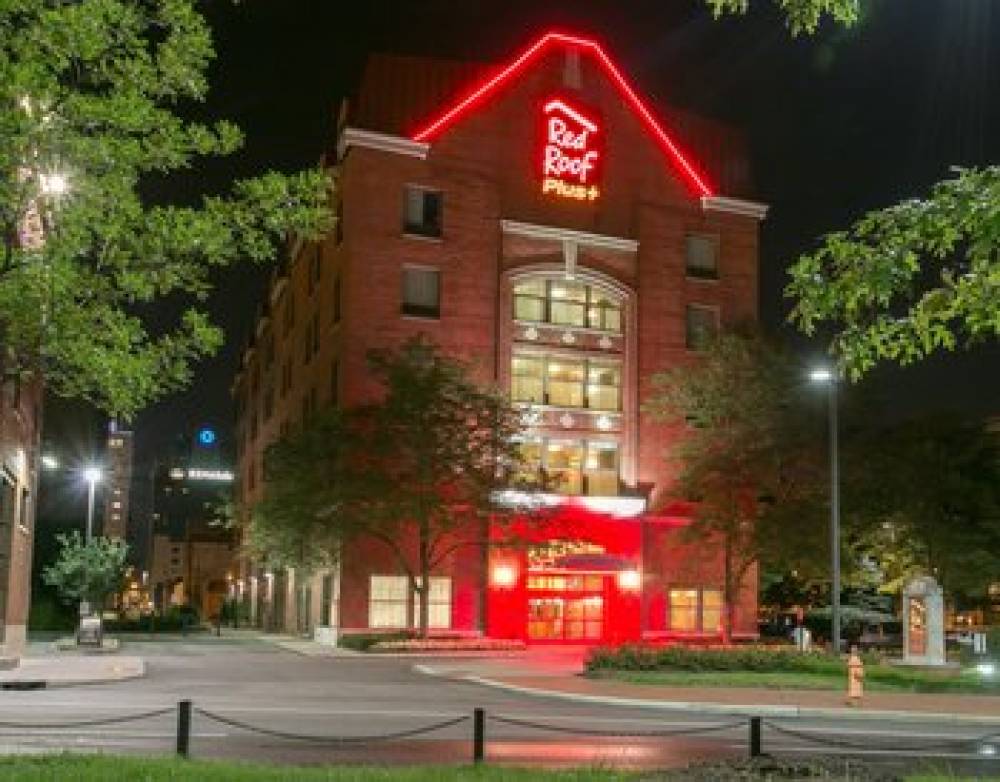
(540, 219)
(20, 425)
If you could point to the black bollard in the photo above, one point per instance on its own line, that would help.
(478, 736)
(183, 728)
(755, 749)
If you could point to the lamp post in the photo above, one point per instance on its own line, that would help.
(92, 476)
(825, 376)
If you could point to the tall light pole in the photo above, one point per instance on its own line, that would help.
(825, 376)
(92, 476)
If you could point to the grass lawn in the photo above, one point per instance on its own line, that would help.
(96, 768)
(87, 768)
(883, 678)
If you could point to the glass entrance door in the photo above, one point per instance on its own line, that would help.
(566, 608)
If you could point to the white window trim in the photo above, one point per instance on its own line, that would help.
(536, 231)
(737, 206)
(384, 142)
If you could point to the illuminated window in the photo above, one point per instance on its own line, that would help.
(563, 460)
(684, 610)
(695, 610)
(568, 304)
(702, 326)
(604, 386)
(701, 256)
(387, 601)
(116, 504)
(601, 470)
(529, 300)
(439, 604)
(421, 292)
(528, 379)
(565, 303)
(566, 382)
(422, 211)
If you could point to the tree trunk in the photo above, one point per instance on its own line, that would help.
(727, 592)
(425, 580)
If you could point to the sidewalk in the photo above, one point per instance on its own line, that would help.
(559, 681)
(68, 670)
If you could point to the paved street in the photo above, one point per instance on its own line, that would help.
(258, 683)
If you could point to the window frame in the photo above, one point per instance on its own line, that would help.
(699, 609)
(588, 362)
(411, 310)
(693, 273)
(423, 230)
(715, 309)
(590, 303)
(582, 474)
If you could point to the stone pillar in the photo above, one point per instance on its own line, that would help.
(923, 622)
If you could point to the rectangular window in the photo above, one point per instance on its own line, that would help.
(702, 326)
(421, 292)
(422, 211)
(529, 300)
(695, 610)
(564, 383)
(563, 460)
(336, 299)
(24, 511)
(387, 602)
(568, 304)
(528, 379)
(684, 610)
(604, 312)
(601, 470)
(604, 383)
(338, 226)
(701, 256)
(439, 604)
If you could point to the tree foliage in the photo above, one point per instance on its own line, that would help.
(423, 464)
(91, 98)
(802, 16)
(908, 280)
(749, 456)
(927, 500)
(87, 571)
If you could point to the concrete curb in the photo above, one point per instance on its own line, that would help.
(40, 683)
(725, 709)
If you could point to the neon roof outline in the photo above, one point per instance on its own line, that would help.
(478, 96)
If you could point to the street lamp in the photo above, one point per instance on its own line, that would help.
(826, 376)
(92, 475)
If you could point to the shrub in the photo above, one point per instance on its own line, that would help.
(448, 645)
(362, 642)
(722, 659)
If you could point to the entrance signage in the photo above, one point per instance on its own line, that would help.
(571, 151)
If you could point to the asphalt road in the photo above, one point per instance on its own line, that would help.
(261, 685)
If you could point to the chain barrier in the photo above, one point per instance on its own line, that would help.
(956, 743)
(87, 723)
(402, 734)
(617, 733)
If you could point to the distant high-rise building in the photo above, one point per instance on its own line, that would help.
(118, 482)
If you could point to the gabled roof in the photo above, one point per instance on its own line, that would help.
(491, 86)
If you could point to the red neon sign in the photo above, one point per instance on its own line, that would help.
(571, 151)
(478, 96)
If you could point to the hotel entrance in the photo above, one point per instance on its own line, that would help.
(567, 607)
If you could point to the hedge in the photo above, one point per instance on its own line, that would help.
(739, 658)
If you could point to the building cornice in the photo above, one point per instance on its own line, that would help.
(356, 137)
(583, 238)
(736, 206)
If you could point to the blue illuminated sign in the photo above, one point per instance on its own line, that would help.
(206, 436)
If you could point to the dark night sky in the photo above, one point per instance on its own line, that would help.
(839, 123)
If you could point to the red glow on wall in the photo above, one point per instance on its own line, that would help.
(485, 90)
(571, 151)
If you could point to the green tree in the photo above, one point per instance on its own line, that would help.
(423, 464)
(908, 280)
(927, 495)
(748, 457)
(800, 15)
(91, 97)
(87, 571)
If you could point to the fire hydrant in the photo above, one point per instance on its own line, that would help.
(855, 678)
